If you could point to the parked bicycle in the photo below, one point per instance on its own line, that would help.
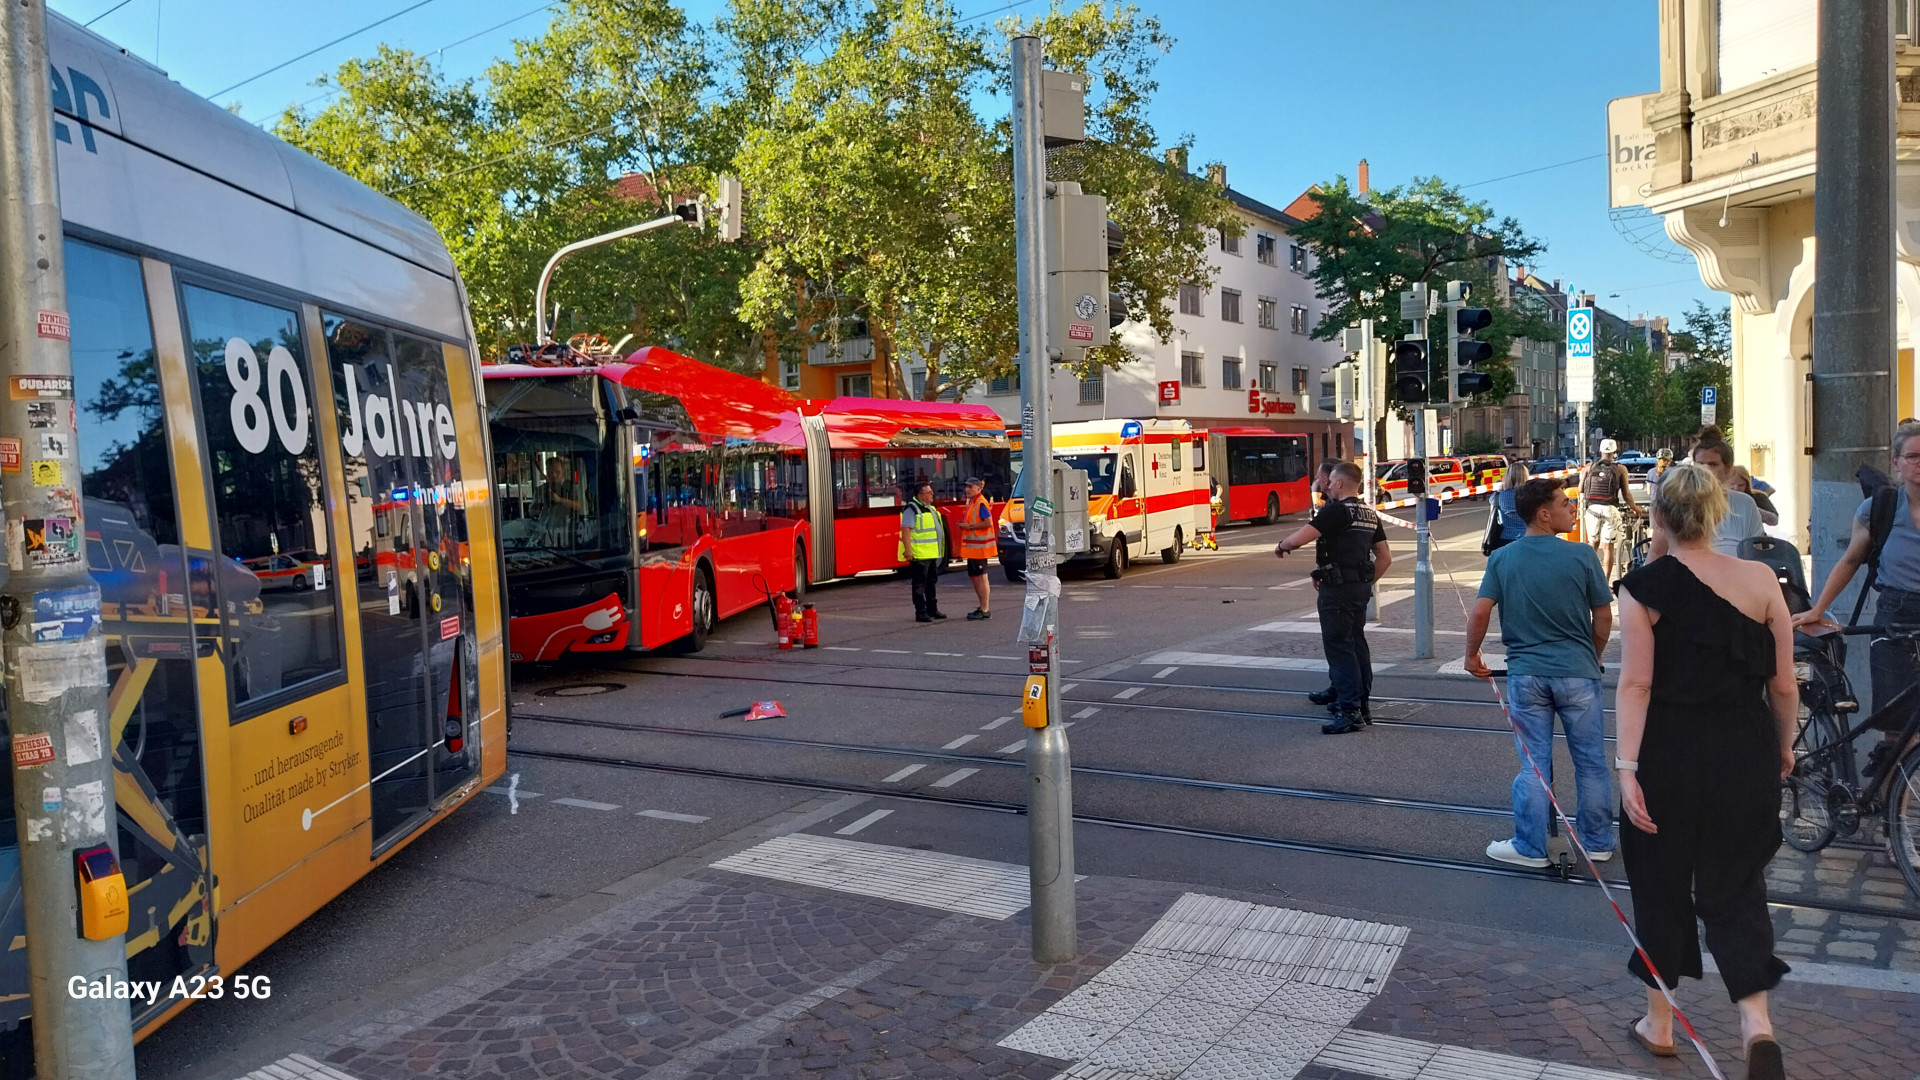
(1630, 542)
(1828, 795)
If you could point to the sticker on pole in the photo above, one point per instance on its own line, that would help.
(449, 627)
(1043, 507)
(1079, 331)
(54, 324)
(32, 750)
(9, 455)
(65, 614)
(39, 387)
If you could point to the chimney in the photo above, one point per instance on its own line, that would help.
(1217, 174)
(1177, 157)
(1365, 187)
(1520, 273)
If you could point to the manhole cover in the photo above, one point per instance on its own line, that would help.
(583, 689)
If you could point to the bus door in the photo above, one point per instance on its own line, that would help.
(408, 518)
(674, 491)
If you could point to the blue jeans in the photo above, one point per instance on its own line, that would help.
(1534, 700)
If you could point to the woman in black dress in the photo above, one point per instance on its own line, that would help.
(1706, 713)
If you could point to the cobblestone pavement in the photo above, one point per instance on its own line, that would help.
(723, 975)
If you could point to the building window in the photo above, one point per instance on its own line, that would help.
(1297, 319)
(919, 384)
(1190, 299)
(1093, 388)
(1265, 248)
(790, 375)
(1299, 380)
(1270, 377)
(856, 386)
(1005, 384)
(1230, 305)
(1190, 374)
(1230, 241)
(1230, 373)
(1296, 258)
(1269, 313)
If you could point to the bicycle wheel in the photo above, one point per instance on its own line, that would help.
(1903, 820)
(1806, 809)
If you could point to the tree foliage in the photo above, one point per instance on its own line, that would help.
(877, 193)
(1370, 248)
(1637, 399)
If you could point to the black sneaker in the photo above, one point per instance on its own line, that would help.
(1324, 697)
(1344, 722)
(1366, 715)
(939, 614)
(976, 615)
(923, 618)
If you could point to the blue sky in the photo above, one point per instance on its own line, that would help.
(1285, 92)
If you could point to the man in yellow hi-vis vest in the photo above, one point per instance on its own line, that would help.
(922, 536)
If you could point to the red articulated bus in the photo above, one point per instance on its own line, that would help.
(1262, 474)
(645, 500)
(867, 451)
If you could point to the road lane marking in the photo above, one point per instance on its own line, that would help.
(1164, 672)
(1276, 663)
(896, 652)
(856, 826)
(1146, 586)
(996, 722)
(1129, 692)
(1014, 748)
(984, 656)
(587, 804)
(959, 742)
(515, 792)
(1391, 596)
(842, 648)
(1086, 712)
(1239, 588)
(954, 777)
(668, 815)
(903, 774)
(943, 654)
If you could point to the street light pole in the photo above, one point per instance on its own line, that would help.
(1422, 530)
(56, 687)
(1049, 764)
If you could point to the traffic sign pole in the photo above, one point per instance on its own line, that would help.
(1580, 382)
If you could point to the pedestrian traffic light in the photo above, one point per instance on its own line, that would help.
(1081, 245)
(1410, 371)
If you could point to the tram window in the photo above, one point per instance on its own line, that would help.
(257, 414)
(134, 556)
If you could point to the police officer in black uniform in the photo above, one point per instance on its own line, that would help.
(1351, 553)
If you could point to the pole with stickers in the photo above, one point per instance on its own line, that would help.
(74, 896)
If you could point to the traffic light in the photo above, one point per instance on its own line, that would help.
(1081, 245)
(1468, 352)
(1410, 371)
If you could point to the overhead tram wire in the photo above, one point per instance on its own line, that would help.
(436, 51)
(109, 11)
(1530, 172)
(418, 4)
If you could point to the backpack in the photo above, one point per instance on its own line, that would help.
(1878, 487)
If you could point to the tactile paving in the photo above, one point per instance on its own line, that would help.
(1057, 1035)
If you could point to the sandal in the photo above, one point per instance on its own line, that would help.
(1651, 1047)
(1763, 1059)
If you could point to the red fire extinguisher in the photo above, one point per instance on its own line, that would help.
(783, 619)
(809, 626)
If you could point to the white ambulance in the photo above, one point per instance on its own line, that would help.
(1147, 489)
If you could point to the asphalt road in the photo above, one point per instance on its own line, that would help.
(1211, 772)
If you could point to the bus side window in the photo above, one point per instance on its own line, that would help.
(1199, 455)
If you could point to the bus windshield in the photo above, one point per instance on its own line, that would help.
(553, 449)
(1100, 470)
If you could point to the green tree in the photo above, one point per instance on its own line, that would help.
(1629, 387)
(1370, 248)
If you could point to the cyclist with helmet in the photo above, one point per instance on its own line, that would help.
(1603, 487)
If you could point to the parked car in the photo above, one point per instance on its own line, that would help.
(1637, 467)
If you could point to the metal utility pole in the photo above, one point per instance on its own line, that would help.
(50, 608)
(1422, 530)
(1853, 307)
(1049, 765)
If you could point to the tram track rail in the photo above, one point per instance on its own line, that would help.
(1343, 850)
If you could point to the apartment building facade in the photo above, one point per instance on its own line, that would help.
(1242, 353)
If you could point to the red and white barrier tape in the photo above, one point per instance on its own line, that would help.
(1573, 835)
(1461, 493)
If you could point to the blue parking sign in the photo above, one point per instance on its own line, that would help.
(1709, 395)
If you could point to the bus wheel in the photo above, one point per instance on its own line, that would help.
(799, 572)
(703, 611)
(1172, 554)
(1273, 510)
(1116, 557)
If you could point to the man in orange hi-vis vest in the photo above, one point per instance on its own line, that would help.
(977, 544)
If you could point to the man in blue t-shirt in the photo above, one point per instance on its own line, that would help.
(1555, 616)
